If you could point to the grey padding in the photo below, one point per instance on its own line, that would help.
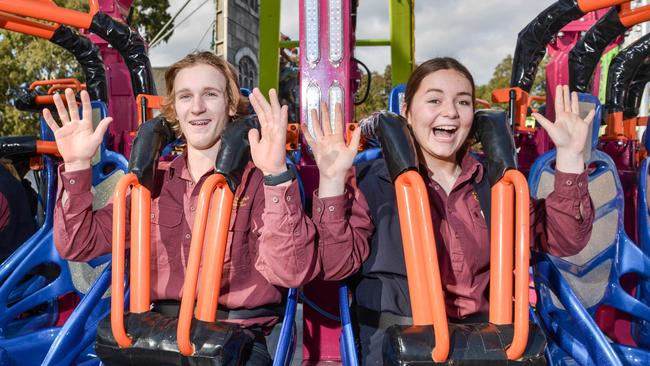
(546, 184)
(84, 276)
(602, 189)
(103, 191)
(603, 236)
(590, 288)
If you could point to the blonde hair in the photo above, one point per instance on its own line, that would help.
(236, 101)
(10, 168)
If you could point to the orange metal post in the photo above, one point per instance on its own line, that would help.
(152, 102)
(521, 100)
(69, 82)
(501, 247)
(222, 208)
(591, 5)
(49, 12)
(423, 272)
(512, 184)
(119, 248)
(630, 17)
(47, 147)
(615, 125)
(26, 26)
(140, 299)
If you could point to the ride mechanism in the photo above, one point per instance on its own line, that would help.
(329, 73)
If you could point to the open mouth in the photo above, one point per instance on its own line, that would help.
(444, 131)
(201, 122)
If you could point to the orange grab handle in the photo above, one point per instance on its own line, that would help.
(522, 101)
(216, 199)
(77, 87)
(482, 102)
(630, 17)
(69, 82)
(47, 147)
(423, 273)
(26, 26)
(49, 12)
(119, 247)
(512, 183)
(591, 5)
(140, 300)
(152, 102)
(615, 127)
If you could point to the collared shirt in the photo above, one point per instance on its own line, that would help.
(560, 224)
(270, 244)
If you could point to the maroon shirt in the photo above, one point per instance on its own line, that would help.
(560, 224)
(270, 244)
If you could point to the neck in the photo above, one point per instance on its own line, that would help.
(444, 172)
(200, 162)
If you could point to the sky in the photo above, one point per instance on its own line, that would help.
(480, 33)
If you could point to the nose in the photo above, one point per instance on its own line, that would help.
(198, 105)
(449, 109)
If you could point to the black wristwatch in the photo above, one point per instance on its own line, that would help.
(274, 180)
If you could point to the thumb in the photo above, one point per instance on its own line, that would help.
(100, 131)
(355, 140)
(254, 137)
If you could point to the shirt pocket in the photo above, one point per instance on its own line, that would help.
(237, 251)
(166, 234)
(478, 218)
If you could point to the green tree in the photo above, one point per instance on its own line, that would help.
(501, 79)
(148, 17)
(380, 87)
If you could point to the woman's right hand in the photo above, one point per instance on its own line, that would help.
(332, 155)
(75, 139)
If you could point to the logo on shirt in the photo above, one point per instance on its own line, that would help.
(241, 201)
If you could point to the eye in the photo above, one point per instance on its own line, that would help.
(465, 103)
(212, 94)
(434, 101)
(183, 97)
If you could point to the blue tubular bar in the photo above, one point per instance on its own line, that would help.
(287, 340)
(348, 349)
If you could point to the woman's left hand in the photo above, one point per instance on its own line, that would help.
(569, 133)
(268, 151)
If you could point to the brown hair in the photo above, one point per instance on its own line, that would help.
(236, 101)
(431, 66)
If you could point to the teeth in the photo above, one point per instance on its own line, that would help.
(199, 123)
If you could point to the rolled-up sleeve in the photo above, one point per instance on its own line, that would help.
(344, 227)
(287, 254)
(563, 221)
(79, 233)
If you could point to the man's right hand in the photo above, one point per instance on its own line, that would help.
(75, 139)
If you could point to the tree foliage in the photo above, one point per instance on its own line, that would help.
(25, 59)
(380, 87)
(501, 79)
(149, 16)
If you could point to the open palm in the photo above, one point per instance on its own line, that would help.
(268, 151)
(76, 140)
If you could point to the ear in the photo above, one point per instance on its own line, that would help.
(402, 112)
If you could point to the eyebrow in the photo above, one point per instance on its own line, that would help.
(442, 92)
(204, 89)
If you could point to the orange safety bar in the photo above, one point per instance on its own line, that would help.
(69, 83)
(423, 273)
(522, 101)
(630, 17)
(54, 88)
(47, 147)
(50, 12)
(615, 127)
(26, 26)
(512, 187)
(215, 198)
(591, 5)
(147, 103)
(140, 254)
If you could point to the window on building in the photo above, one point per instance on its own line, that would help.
(247, 72)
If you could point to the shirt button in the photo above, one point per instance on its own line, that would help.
(580, 184)
(153, 216)
(187, 236)
(331, 208)
(436, 187)
(72, 181)
(288, 198)
(192, 208)
(569, 182)
(319, 209)
(275, 200)
(577, 217)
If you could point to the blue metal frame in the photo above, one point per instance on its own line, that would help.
(641, 328)
(394, 100)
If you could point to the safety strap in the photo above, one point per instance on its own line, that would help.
(483, 190)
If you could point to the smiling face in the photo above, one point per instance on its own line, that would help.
(201, 105)
(441, 114)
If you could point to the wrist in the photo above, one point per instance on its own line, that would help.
(71, 166)
(569, 162)
(331, 186)
(274, 170)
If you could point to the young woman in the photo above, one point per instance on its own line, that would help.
(271, 241)
(363, 234)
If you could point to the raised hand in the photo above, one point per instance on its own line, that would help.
(569, 133)
(333, 156)
(269, 151)
(75, 139)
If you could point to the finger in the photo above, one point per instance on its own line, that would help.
(49, 119)
(590, 117)
(316, 125)
(575, 103)
(73, 109)
(548, 125)
(264, 105)
(100, 131)
(559, 99)
(567, 98)
(284, 116)
(60, 109)
(276, 108)
(256, 106)
(338, 118)
(308, 137)
(355, 140)
(253, 137)
(86, 107)
(325, 120)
